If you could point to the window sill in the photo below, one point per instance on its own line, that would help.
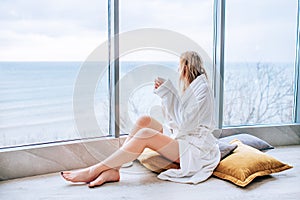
(47, 158)
(276, 135)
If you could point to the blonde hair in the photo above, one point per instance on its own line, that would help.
(191, 66)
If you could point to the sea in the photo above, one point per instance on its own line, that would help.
(36, 98)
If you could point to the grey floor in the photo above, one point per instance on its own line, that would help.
(139, 183)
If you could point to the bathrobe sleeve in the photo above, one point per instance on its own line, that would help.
(186, 111)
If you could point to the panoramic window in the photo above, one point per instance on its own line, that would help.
(260, 50)
(193, 19)
(43, 46)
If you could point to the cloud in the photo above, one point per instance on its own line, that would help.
(51, 30)
(192, 18)
(256, 32)
(42, 30)
(90, 14)
(42, 26)
(183, 16)
(39, 47)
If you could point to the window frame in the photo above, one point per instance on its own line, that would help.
(219, 44)
(297, 68)
(219, 10)
(113, 67)
(46, 154)
(218, 58)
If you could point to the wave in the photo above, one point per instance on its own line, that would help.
(36, 123)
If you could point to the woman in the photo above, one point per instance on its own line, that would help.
(186, 138)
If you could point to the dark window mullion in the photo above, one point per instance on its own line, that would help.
(297, 66)
(113, 68)
(219, 36)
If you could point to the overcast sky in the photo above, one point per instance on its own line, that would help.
(69, 30)
(51, 29)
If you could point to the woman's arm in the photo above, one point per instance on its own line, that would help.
(187, 111)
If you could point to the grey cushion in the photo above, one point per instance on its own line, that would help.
(250, 140)
(226, 148)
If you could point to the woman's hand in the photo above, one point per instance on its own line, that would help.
(158, 82)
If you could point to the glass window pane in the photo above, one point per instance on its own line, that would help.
(193, 19)
(260, 49)
(43, 45)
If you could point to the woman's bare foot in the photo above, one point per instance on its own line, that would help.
(83, 175)
(111, 175)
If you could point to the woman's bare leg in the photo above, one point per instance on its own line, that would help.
(144, 122)
(145, 137)
(113, 174)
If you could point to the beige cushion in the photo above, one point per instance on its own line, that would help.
(156, 162)
(246, 163)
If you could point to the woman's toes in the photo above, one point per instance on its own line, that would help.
(82, 175)
(63, 175)
(111, 175)
(66, 177)
(97, 182)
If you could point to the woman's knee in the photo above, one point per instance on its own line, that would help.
(145, 133)
(143, 121)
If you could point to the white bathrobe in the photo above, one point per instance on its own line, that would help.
(190, 121)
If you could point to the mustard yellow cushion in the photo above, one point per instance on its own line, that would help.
(156, 162)
(246, 163)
